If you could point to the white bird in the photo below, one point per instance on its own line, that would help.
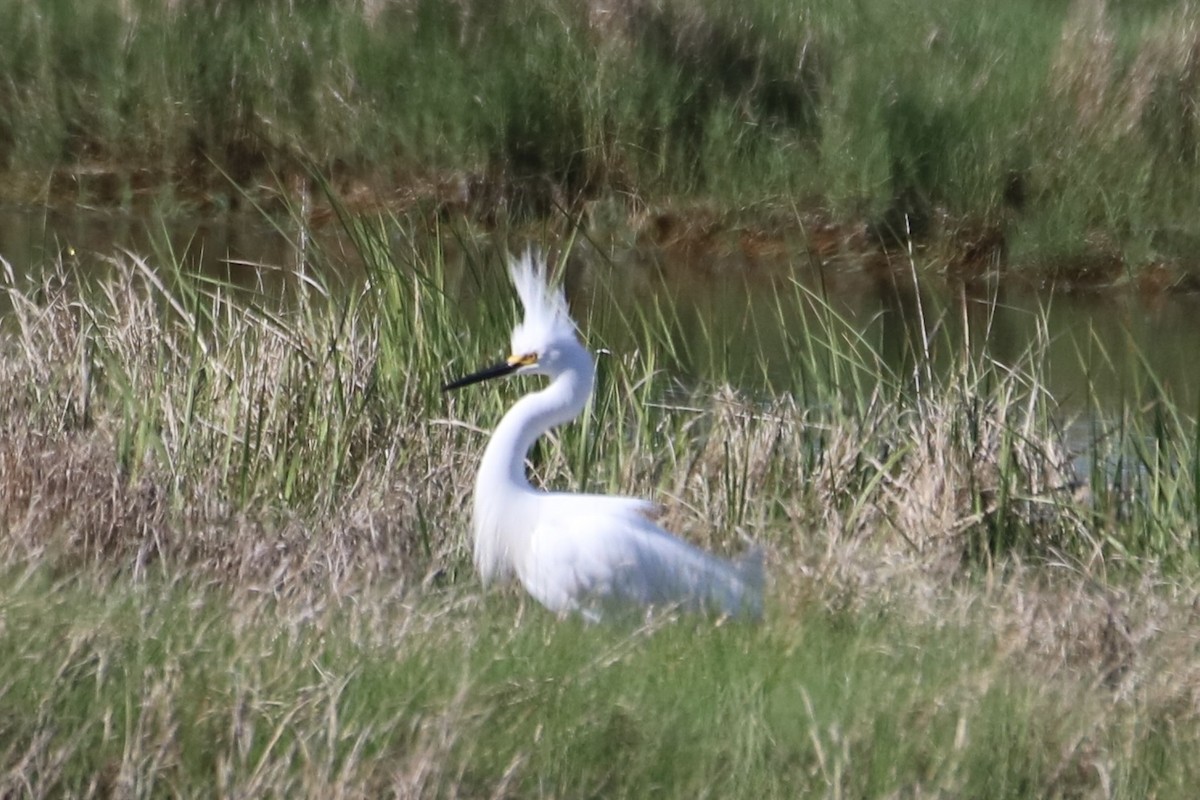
(584, 553)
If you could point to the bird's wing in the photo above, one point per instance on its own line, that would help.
(633, 508)
(589, 552)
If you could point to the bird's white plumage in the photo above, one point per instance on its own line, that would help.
(580, 552)
(608, 554)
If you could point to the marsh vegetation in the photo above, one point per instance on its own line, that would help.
(235, 532)
(1055, 137)
(233, 513)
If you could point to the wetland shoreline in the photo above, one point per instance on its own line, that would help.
(1052, 139)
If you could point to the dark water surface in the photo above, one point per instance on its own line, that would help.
(731, 318)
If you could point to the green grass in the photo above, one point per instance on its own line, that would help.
(1068, 128)
(149, 690)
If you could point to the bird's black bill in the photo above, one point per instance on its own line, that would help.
(501, 369)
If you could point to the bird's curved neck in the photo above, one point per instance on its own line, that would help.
(530, 417)
(504, 515)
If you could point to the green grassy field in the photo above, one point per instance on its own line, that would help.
(169, 689)
(1064, 130)
(236, 557)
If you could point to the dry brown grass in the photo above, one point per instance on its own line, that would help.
(156, 407)
(1156, 94)
(151, 425)
(121, 443)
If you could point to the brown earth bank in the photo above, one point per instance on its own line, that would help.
(689, 234)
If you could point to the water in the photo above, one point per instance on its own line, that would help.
(227, 247)
(1100, 350)
(1097, 351)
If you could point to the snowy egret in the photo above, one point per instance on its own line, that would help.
(583, 553)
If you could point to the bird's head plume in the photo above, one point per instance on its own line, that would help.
(547, 320)
(544, 341)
